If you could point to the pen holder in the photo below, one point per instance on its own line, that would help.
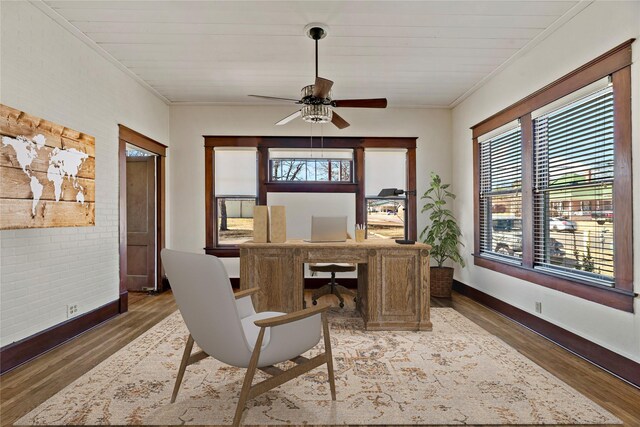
(360, 235)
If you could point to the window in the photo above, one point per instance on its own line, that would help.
(553, 184)
(501, 195)
(313, 166)
(385, 168)
(241, 171)
(574, 164)
(234, 219)
(311, 170)
(385, 218)
(235, 195)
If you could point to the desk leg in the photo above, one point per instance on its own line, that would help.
(246, 278)
(363, 295)
(297, 265)
(425, 292)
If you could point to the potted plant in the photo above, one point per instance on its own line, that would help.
(443, 236)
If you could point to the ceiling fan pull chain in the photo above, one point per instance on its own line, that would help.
(311, 138)
(322, 141)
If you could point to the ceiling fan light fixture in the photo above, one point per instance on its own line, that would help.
(317, 113)
(306, 94)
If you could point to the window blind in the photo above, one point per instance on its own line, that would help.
(573, 188)
(384, 168)
(501, 194)
(235, 171)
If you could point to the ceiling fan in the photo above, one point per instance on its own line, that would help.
(316, 100)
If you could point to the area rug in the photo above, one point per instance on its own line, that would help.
(456, 374)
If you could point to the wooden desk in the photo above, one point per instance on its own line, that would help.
(393, 279)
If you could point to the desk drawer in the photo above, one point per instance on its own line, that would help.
(351, 255)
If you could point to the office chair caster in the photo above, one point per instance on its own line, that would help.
(314, 302)
(341, 305)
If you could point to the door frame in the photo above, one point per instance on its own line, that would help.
(127, 135)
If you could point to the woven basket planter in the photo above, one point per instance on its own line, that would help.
(441, 281)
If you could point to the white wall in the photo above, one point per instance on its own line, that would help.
(598, 28)
(48, 72)
(300, 207)
(189, 123)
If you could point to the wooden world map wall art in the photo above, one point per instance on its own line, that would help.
(47, 173)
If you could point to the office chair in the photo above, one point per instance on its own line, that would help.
(332, 287)
(226, 327)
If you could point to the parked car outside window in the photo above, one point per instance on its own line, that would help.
(561, 224)
(507, 239)
(507, 236)
(602, 216)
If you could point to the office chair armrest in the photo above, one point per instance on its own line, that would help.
(246, 292)
(291, 317)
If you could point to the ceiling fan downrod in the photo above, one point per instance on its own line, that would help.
(316, 33)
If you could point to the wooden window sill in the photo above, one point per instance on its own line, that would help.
(611, 297)
(223, 252)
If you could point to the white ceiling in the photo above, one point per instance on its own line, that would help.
(424, 53)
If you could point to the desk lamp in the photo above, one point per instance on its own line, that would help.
(394, 192)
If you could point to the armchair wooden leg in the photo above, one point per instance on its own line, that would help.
(183, 367)
(248, 379)
(327, 350)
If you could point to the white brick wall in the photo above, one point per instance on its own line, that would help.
(46, 71)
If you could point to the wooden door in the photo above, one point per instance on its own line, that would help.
(141, 223)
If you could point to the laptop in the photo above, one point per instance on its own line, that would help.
(328, 229)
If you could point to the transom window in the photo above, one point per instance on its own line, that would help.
(311, 170)
(311, 165)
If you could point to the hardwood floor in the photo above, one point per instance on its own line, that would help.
(617, 396)
(27, 386)
(136, 297)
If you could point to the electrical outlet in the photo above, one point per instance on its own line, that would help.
(72, 310)
(538, 307)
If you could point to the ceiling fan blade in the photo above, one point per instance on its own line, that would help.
(276, 98)
(361, 103)
(289, 118)
(322, 87)
(339, 121)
